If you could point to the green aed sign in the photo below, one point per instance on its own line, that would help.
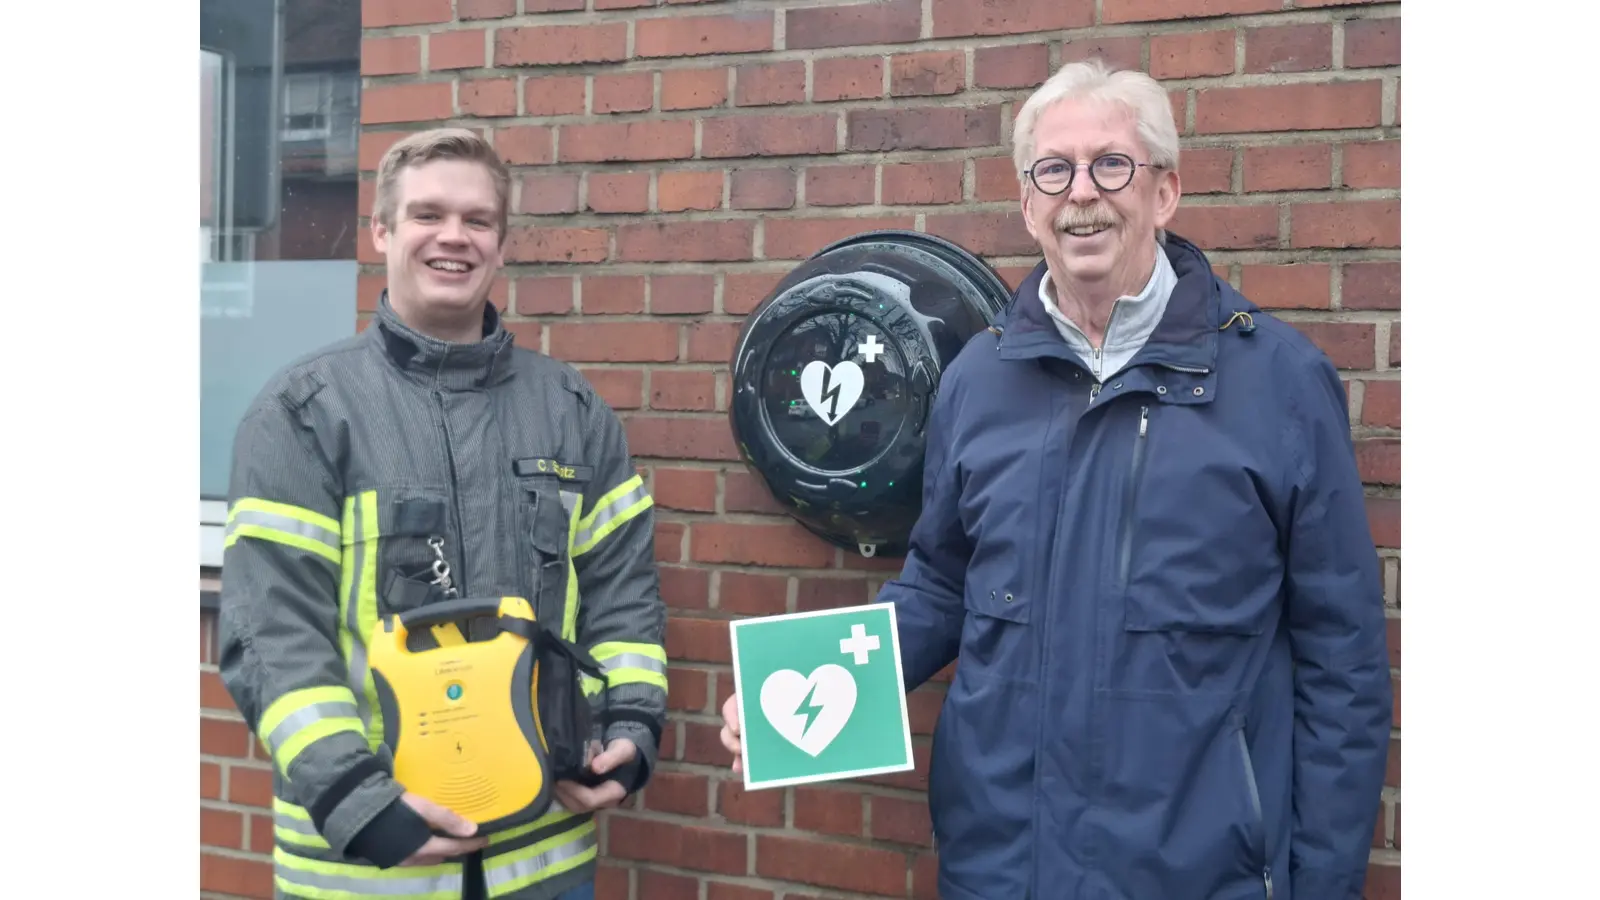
(821, 696)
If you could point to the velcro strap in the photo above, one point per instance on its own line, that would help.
(612, 715)
(330, 799)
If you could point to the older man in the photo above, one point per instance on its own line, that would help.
(1144, 535)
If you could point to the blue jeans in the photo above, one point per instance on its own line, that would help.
(582, 892)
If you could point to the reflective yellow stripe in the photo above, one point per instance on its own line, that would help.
(358, 606)
(611, 512)
(292, 825)
(541, 861)
(346, 881)
(291, 526)
(299, 718)
(630, 663)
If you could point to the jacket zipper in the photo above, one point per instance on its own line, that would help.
(1255, 808)
(1131, 495)
(455, 495)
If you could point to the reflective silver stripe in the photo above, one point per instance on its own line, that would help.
(300, 718)
(282, 523)
(633, 661)
(290, 822)
(605, 514)
(495, 876)
(446, 885)
(569, 501)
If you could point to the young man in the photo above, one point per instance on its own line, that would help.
(425, 459)
(1145, 538)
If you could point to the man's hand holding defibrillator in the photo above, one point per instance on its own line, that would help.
(580, 798)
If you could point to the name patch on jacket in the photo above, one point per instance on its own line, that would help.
(541, 465)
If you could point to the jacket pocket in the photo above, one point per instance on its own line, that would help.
(546, 524)
(997, 638)
(1256, 829)
(417, 553)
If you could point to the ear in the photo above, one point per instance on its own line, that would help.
(1168, 189)
(1028, 199)
(380, 236)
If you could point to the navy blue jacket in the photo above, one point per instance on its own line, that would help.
(1172, 682)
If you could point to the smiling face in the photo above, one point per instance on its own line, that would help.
(443, 249)
(1097, 243)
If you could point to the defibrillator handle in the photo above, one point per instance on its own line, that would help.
(450, 611)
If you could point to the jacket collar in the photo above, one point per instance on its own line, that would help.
(1185, 338)
(442, 364)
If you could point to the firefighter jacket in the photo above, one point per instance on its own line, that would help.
(349, 469)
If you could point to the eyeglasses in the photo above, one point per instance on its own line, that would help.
(1110, 172)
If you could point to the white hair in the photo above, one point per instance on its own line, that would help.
(1094, 80)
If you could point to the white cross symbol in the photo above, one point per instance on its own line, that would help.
(871, 348)
(859, 643)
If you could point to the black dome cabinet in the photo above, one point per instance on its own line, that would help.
(835, 371)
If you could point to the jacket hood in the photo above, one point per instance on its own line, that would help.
(449, 365)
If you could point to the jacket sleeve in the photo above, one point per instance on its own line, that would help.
(1334, 610)
(279, 639)
(927, 595)
(621, 619)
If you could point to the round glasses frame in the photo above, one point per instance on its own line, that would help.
(1101, 172)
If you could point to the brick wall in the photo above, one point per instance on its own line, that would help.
(674, 159)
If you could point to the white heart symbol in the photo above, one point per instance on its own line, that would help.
(833, 389)
(809, 712)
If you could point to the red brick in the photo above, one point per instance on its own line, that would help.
(762, 189)
(1346, 224)
(1383, 883)
(221, 828)
(391, 55)
(1206, 170)
(1348, 344)
(995, 178)
(1378, 459)
(815, 594)
(676, 295)
(925, 877)
(680, 35)
(742, 491)
(613, 294)
(622, 4)
(663, 886)
(964, 18)
(829, 811)
(620, 388)
(920, 183)
(731, 136)
(224, 737)
(387, 103)
(693, 88)
(1121, 52)
(1372, 164)
(261, 836)
(391, 13)
(546, 195)
(685, 588)
(610, 881)
(902, 821)
(840, 185)
(688, 689)
(760, 808)
(1117, 11)
(236, 877)
(785, 544)
(706, 241)
(679, 191)
(618, 141)
(1022, 66)
(1253, 227)
(989, 234)
(720, 890)
(1192, 54)
(250, 786)
(853, 24)
(544, 296)
(669, 539)
(678, 437)
(748, 594)
(1371, 285)
(573, 245)
(1289, 48)
(1288, 168)
(456, 49)
(1394, 346)
(868, 870)
(846, 78)
(698, 640)
(525, 145)
(213, 694)
(1288, 107)
(684, 793)
(1383, 516)
(1381, 408)
(1291, 286)
(547, 6)
(614, 341)
(1371, 42)
(923, 707)
(487, 97)
(926, 128)
(619, 192)
(929, 73)
(712, 341)
(560, 95)
(210, 781)
(485, 9)
(800, 237)
(677, 844)
(773, 83)
(560, 45)
(624, 92)
(684, 390)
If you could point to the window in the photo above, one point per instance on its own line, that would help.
(280, 92)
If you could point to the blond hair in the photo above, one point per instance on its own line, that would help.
(435, 144)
